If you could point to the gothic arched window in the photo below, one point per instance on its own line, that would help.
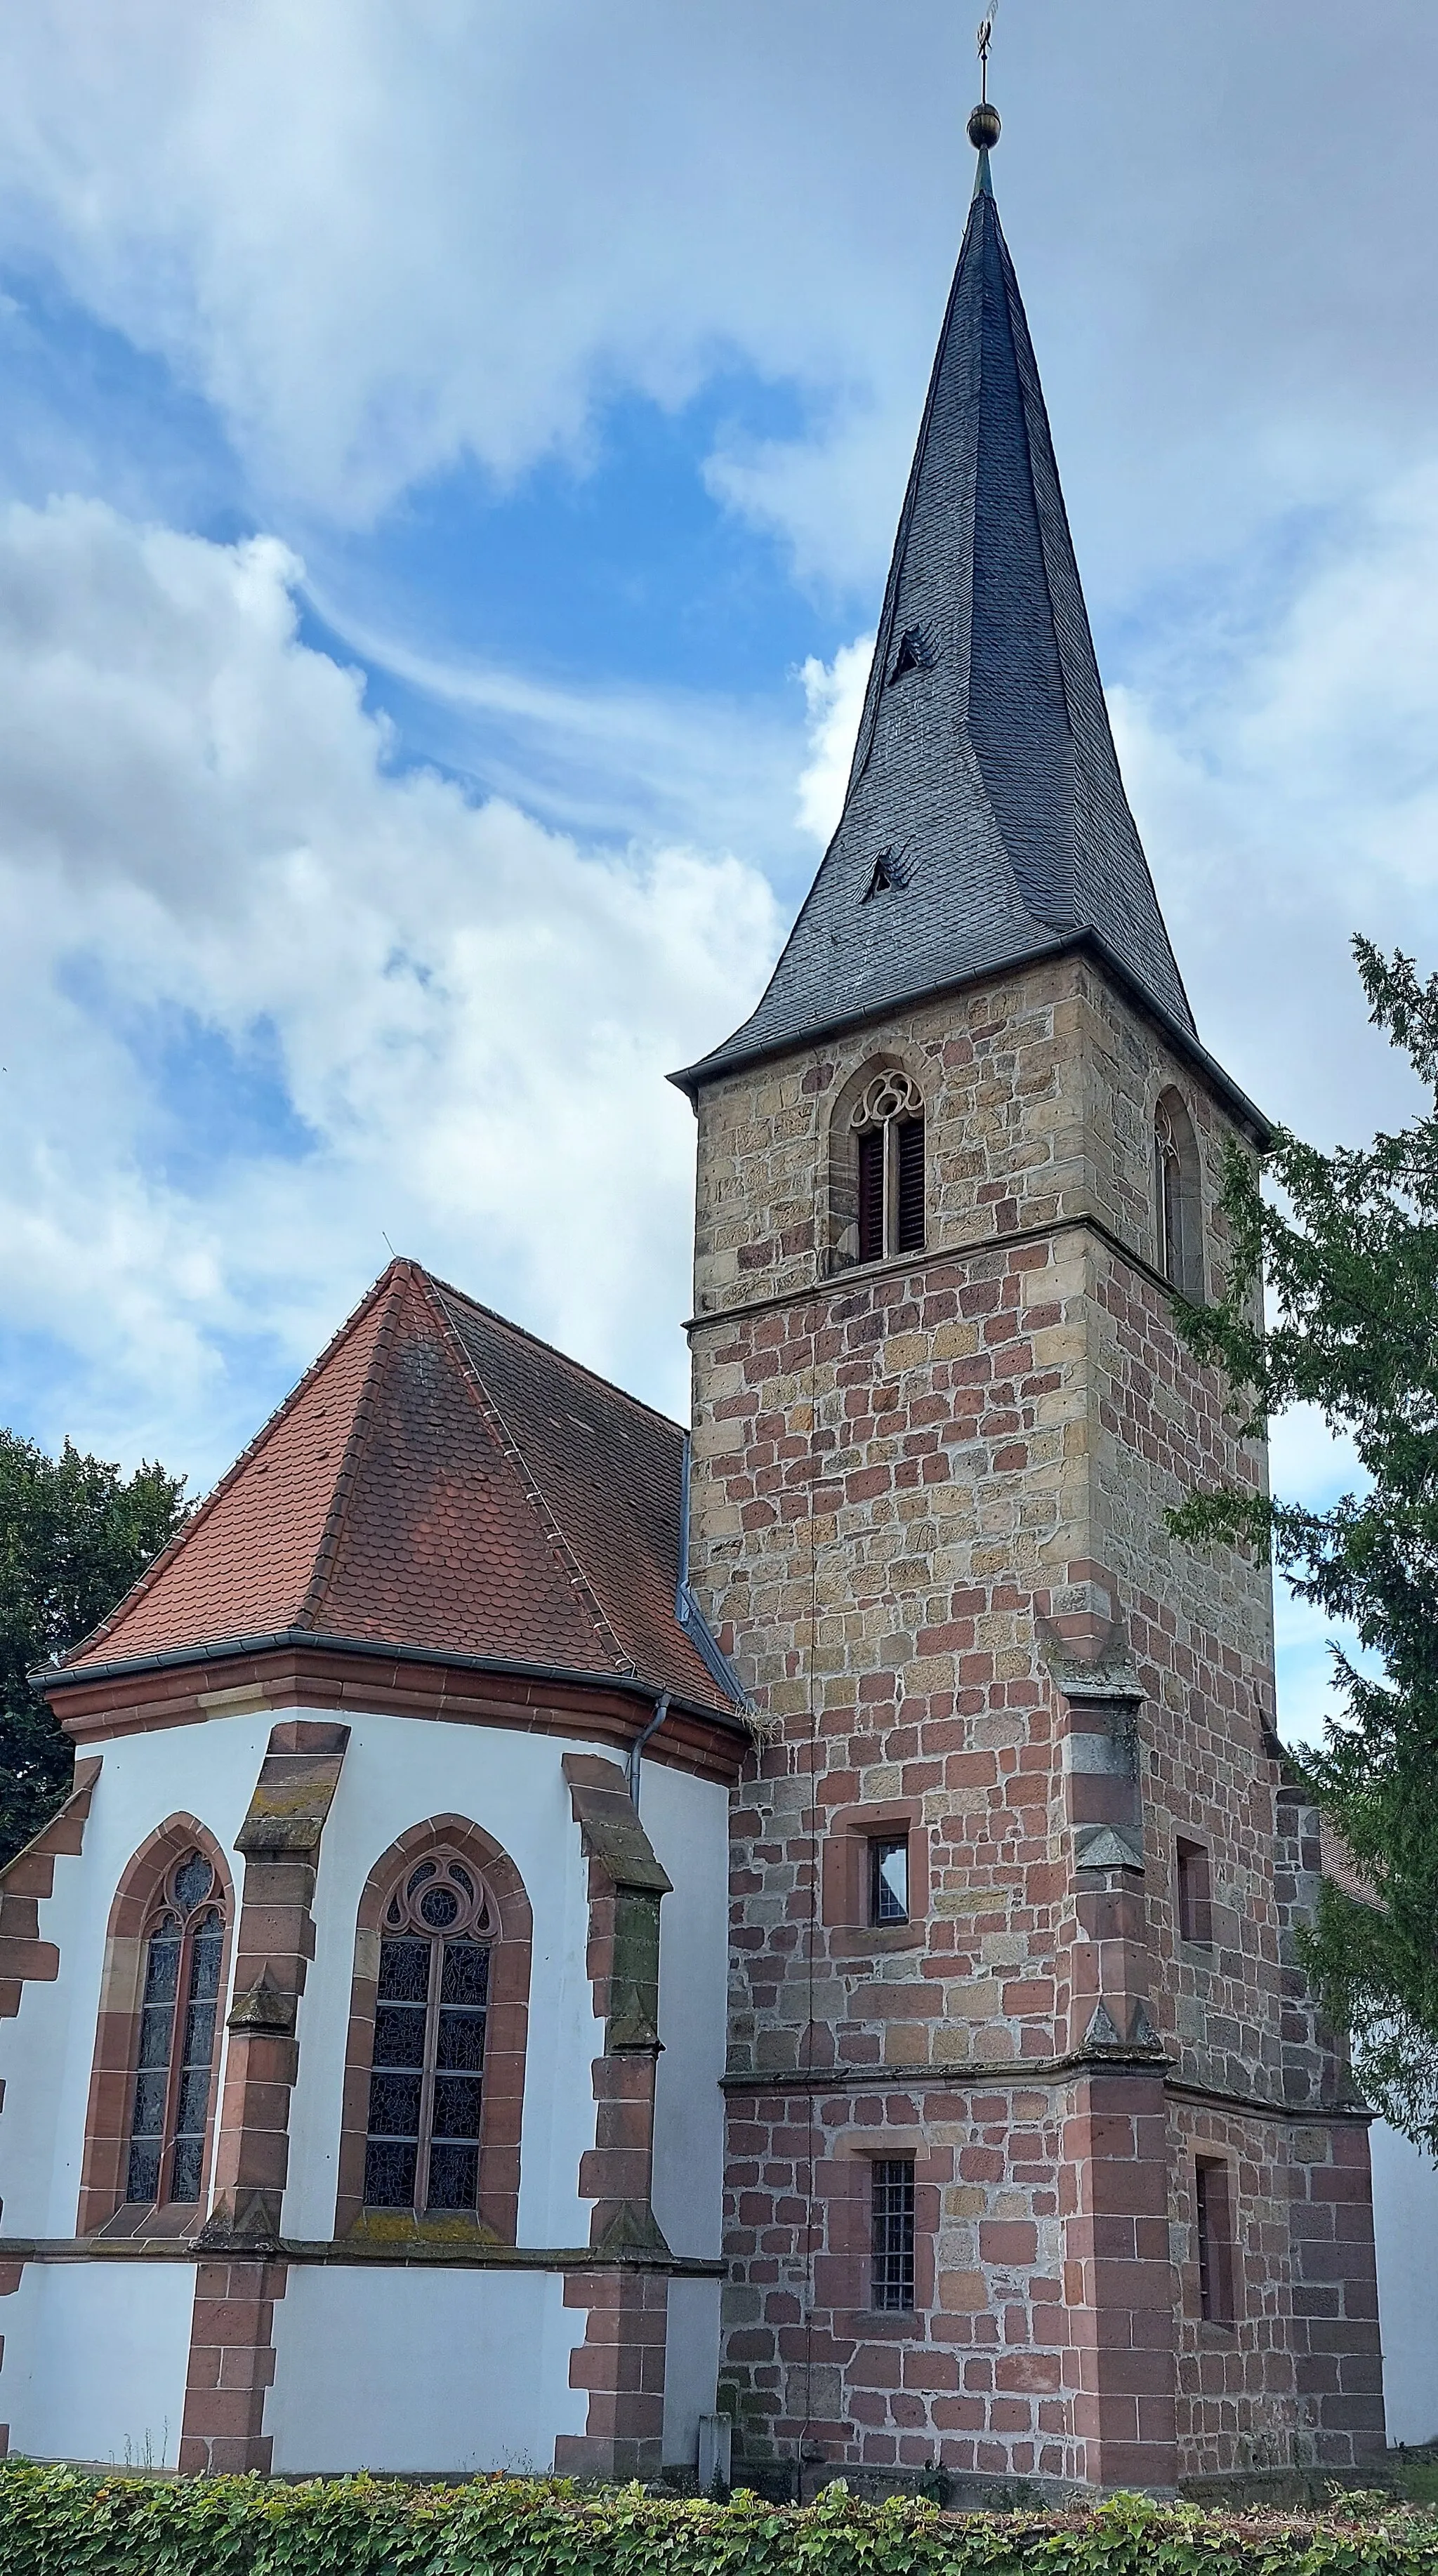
(437, 1934)
(887, 1125)
(184, 1949)
(1178, 1203)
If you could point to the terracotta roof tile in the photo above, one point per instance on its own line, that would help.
(438, 1480)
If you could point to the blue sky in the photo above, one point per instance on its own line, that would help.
(447, 469)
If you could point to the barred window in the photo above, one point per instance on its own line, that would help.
(427, 2071)
(175, 2056)
(892, 2190)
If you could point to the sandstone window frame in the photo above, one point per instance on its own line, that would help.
(1177, 1196)
(844, 2182)
(845, 1865)
(1193, 1892)
(1215, 2240)
(103, 2206)
(496, 2213)
(878, 1166)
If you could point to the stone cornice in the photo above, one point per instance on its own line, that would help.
(1015, 2074)
(346, 2252)
(858, 1275)
(349, 1678)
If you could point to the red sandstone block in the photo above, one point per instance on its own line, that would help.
(1008, 2241)
(221, 2414)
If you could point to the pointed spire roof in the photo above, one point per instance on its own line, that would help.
(439, 1482)
(985, 821)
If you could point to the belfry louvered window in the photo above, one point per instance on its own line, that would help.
(888, 1129)
(427, 2071)
(175, 2054)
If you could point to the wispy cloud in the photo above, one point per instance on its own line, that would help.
(267, 999)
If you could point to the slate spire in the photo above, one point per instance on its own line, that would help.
(985, 820)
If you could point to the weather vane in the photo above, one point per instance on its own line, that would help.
(984, 123)
(986, 38)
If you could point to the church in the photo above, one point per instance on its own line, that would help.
(764, 1952)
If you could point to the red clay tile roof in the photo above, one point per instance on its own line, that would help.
(438, 1480)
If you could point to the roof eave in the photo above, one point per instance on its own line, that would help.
(47, 1679)
(691, 1079)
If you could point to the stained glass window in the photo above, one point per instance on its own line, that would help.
(175, 2052)
(427, 2070)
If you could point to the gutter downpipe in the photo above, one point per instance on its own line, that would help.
(636, 1749)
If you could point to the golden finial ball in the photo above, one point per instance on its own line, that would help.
(984, 128)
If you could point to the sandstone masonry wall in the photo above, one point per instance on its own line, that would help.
(927, 1523)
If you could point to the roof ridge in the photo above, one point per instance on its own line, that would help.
(393, 1282)
(210, 1502)
(507, 1324)
(564, 1553)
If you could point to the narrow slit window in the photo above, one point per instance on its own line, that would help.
(892, 2202)
(1178, 1197)
(1214, 2216)
(1195, 1895)
(175, 2052)
(427, 2068)
(889, 1878)
(888, 1125)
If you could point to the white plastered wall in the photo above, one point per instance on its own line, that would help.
(96, 2358)
(47, 2051)
(410, 2370)
(687, 1821)
(1405, 2240)
(397, 1772)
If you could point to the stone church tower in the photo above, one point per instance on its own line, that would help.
(1038, 2165)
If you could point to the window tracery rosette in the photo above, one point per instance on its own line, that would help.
(893, 1094)
(438, 1928)
(184, 1947)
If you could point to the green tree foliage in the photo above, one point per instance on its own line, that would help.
(1349, 1249)
(74, 1534)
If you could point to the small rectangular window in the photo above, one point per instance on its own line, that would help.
(892, 2191)
(1214, 2215)
(889, 1878)
(1195, 1898)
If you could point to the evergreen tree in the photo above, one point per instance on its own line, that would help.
(74, 1534)
(1350, 1254)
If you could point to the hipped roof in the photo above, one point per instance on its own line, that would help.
(440, 1481)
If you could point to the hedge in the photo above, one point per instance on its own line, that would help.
(64, 2522)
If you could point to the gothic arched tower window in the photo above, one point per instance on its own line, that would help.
(887, 1128)
(1178, 1203)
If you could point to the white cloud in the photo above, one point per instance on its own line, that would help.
(379, 234)
(835, 694)
(200, 840)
